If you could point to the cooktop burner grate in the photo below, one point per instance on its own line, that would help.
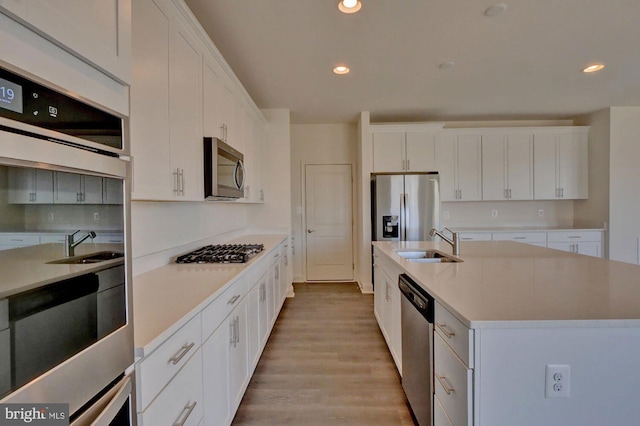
(222, 253)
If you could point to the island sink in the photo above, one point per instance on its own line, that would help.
(89, 258)
(427, 256)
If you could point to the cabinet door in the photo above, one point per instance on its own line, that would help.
(112, 191)
(519, 162)
(589, 248)
(420, 152)
(265, 323)
(97, 31)
(30, 186)
(379, 295)
(562, 246)
(253, 325)
(395, 323)
(68, 188)
(446, 148)
(572, 165)
(238, 356)
(214, 94)
(544, 167)
(494, 167)
(91, 190)
(185, 113)
(388, 152)
(152, 179)
(469, 168)
(215, 376)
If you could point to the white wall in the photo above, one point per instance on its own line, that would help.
(316, 144)
(594, 212)
(624, 198)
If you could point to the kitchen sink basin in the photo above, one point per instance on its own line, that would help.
(427, 256)
(89, 258)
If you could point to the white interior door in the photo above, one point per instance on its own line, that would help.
(328, 208)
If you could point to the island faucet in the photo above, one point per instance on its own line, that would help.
(70, 246)
(454, 240)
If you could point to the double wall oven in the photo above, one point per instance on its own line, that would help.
(65, 299)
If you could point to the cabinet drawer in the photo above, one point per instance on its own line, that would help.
(573, 236)
(219, 309)
(455, 333)
(440, 417)
(155, 371)
(453, 383)
(475, 236)
(181, 401)
(521, 237)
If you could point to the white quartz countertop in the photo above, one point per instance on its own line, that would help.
(166, 298)
(26, 268)
(504, 284)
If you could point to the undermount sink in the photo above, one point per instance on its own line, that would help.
(427, 256)
(89, 258)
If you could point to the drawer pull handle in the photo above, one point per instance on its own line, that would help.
(181, 353)
(443, 328)
(189, 410)
(519, 238)
(233, 299)
(575, 236)
(447, 389)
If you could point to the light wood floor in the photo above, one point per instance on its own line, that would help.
(326, 363)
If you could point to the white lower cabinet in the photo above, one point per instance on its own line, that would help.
(453, 383)
(387, 305)
(238, 355)
(180, 403)
(440, 417)
(215, 376)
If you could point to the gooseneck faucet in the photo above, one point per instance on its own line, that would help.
(454, 240)
(70, 246)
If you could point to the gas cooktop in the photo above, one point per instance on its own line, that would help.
(222, 253)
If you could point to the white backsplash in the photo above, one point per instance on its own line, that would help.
(63, 217)
(489, 214)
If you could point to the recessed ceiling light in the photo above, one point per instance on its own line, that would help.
(341, 69)
(349, 6)
(447, 65)
(495, 10)
(593, 68)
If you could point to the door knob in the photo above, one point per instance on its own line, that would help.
(310, 231)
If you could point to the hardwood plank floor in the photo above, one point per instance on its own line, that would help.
(326, 363)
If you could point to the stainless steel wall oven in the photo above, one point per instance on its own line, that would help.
(65, 299)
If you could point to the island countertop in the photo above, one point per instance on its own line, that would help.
(504, 284)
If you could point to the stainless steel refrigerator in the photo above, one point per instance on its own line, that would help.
(404, 207)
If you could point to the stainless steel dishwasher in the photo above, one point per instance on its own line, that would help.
(417, 309)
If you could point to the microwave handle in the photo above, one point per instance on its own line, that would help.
(239, 166)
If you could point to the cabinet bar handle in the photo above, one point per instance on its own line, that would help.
(232, 332)
(574, 236)
(233, 299)
(447, 389)
(181, 353)
(519, 238)
(189, 410)
(408, 164)
(443, 328)
(237, 329)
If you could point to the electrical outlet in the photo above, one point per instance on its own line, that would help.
(96, 216)
(445, 215)
(494, 213)
(541, 213)
(557, 381)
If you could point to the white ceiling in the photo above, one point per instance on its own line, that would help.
(522, 64)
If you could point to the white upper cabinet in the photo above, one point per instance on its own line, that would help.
(30, 186)
(71, 188)
(152, 178)
(166, 107)
(561, 164)
(185, 113)
(216, 100)
(98, 32)
(404, 151)
(507, 166)
(459, 162)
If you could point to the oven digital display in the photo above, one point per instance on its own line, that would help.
(10, 96)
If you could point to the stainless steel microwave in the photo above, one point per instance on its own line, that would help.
(223, 171)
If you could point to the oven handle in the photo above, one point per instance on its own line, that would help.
(114, 406)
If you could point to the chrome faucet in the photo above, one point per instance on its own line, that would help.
(454, 240)
(70, 246)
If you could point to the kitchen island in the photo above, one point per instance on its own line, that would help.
(505, 313)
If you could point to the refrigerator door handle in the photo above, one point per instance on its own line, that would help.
(403, 217)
